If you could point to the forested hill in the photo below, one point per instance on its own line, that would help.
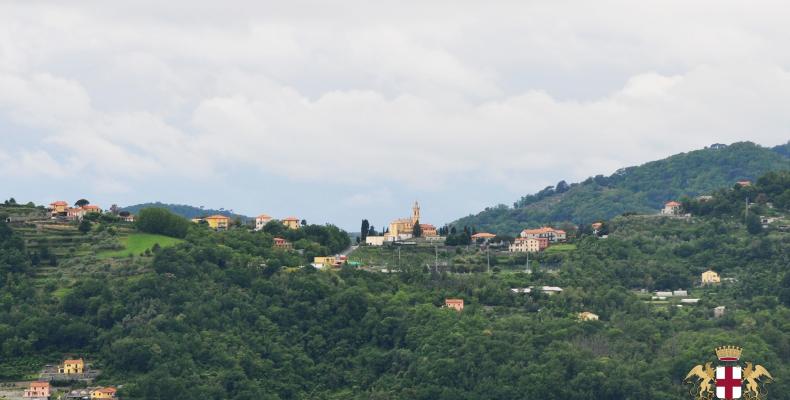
(184, 210)
(641, 188)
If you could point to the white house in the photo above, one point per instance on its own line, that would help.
(375, 240)
(261, 221)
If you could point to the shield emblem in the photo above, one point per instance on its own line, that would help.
(728, 382)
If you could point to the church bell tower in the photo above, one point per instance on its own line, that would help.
(415, 213)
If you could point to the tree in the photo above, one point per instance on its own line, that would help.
(304, 222)
(561, 187)
(753, 224)
(162, 221)
(417, 229)
(81, 203)
(85, 226)
(363, 230)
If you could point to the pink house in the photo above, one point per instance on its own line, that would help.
(37, 390)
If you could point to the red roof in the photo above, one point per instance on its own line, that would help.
(672, 204)
(264, 216)
(59, 203)
(108, 390)
(290, 219)
(90, 207)
(484, 235)
(545, 229)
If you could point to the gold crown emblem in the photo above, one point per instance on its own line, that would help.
(728, 353)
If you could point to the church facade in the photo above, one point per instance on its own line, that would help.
(404, 227)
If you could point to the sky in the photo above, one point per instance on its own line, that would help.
(338, 111)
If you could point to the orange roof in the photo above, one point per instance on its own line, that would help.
(427, 226)
(90, 207)
(217, 217)
(41, 384)
(264, 216)
(544, 229)
(77, 361)
(279, 240)
(453, 301)
(484, 235)
(290, 219)
(59, 203)
(672, 204)
(108, 390)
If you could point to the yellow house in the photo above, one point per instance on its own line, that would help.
(59, 206)
(72, 367)
(710, 277)
(103, 393)
(291, 222)
(587, 316)
(327, 261)
(218, 222)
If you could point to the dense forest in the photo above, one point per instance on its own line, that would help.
(641, 188)
(224, 315)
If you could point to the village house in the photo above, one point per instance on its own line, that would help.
(127, 218)
(596, 227)
(281, 243)
(587, 316)
(710, 277)
(744, 183)
(456, 304)
(218, 222)
(261, 221)
(38, 390)
(68, 367)
(719, 311)
(671, 208)
(291, 222)
(428, 230)
(529, 245)
(103, 393)
(547, 232)
(58, 207)
(374, 240)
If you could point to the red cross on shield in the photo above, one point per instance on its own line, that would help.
(728, 382)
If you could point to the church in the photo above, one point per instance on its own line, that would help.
(404, 227)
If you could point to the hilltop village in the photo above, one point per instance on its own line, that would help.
(110, 301)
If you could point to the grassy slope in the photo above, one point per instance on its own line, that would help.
(137, 243)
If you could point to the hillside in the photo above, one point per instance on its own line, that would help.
(184, 210)
(225, 315)
(641, 189)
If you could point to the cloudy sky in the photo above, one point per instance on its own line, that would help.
(335, 111)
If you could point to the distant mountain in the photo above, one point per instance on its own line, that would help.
(184, 210)
(640, 189)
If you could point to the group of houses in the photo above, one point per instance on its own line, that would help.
(537, 240)
(220, 222)
(71, 369)
(458, 305)
(404, 229)
(60, 209)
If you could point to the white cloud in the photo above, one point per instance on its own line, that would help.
(412, 94)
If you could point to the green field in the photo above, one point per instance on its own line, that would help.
(560, 248)
(137, 243)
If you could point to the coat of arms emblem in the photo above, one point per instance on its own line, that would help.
(728, 381)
